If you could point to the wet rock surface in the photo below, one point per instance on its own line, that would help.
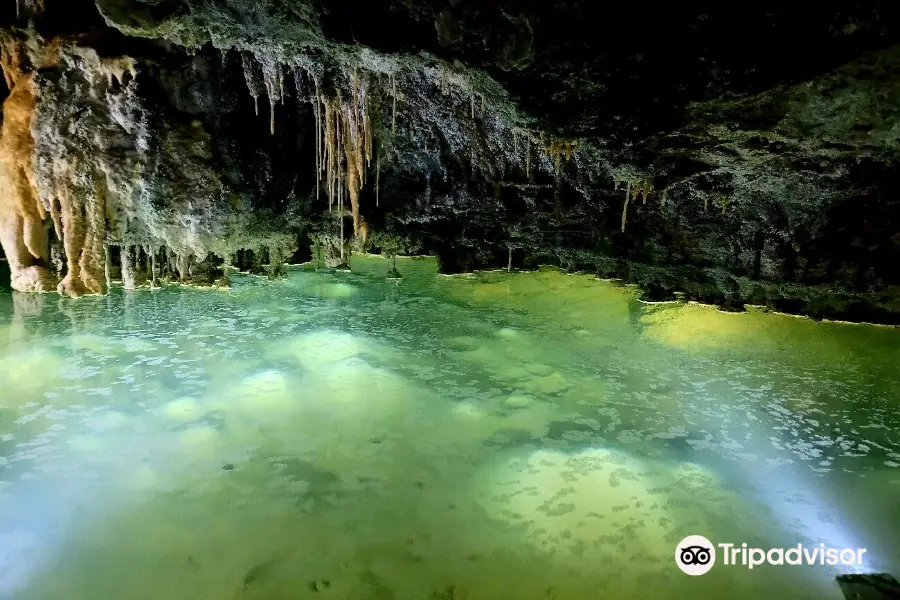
(733, 156)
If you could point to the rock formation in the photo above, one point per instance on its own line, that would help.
(687, 150)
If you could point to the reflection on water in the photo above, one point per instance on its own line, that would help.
(336, 435)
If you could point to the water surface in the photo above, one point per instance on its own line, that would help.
(525, 436)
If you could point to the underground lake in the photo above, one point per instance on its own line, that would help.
(337, 434)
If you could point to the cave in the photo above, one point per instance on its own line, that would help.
(447, 299)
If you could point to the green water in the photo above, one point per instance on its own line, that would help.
(524, 436)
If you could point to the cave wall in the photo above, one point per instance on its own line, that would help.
(687, 150)
(128, 154)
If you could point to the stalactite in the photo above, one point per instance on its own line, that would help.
(171, 261)
(353, 185)
(16, 152)
(153, 272)
(90, 260)
(370, 139)
(663, 198)
(557, 149)
(24, 238)
(183, 265)
(706, 203)
(128, 267)
(317, 112)
(625, 206)
(56, 217)
(354, 109)
(347, 148)
(528, 158)
(328, 152)
(107, 266)
(394, 112)
(251, 79)
(273, 80)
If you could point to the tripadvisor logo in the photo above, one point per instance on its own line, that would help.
(696, 555)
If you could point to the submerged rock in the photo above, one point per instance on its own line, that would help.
(518, 401)
(551, 384)
(593, 503)
(318, 349)
(183, 410)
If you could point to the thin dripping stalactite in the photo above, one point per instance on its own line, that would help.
(394, 100)
(344, 148)
(625, 206)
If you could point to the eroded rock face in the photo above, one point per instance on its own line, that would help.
(93, 161)
(684, 149)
